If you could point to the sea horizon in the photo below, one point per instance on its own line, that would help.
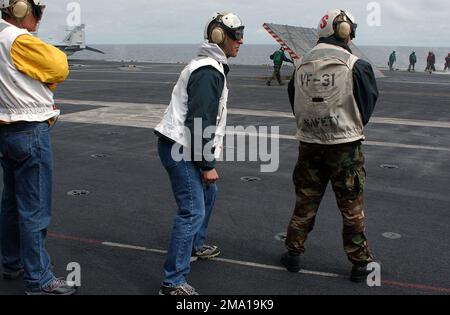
(250, 54)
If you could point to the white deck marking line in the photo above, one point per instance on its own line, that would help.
(268, 113)
(142, 115)
(228, 261)
(369, 143)
(417, 82)
(132, 71)
(376, 120)
(125, 81)
(139, 248)
(405, 146)
(270, 267)
(248, 264)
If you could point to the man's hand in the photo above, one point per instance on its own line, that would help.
(210, 177)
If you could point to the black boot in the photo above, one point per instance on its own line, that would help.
(359, 272)
(291, 261)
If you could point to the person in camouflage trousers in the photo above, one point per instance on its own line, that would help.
(343, 165)
(333, 95)
(278, 58)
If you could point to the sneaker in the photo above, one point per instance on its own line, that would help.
(183, 289)
(193, 258)
(206, 252)
(9, 274)
(291, 261)
(56, 287)
(359, 272)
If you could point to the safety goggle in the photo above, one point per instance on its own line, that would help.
(236, 33)
(350, 19)
(354, 27)
(38, 11)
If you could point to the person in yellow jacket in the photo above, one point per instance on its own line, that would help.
(29, 73)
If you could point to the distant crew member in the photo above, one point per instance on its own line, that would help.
(447, 62)
(29, 72)
(431, 62)
(333, 95)
(392, 60)
(412, 62)
(199, 102)
(278, 57)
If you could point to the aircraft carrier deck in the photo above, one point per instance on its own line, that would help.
(118, 232)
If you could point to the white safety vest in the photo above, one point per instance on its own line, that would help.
(325, 107)
(173, 122)
(22, 98)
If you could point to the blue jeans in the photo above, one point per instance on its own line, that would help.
(195, 202)
(26, 159)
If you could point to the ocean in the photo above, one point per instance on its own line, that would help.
(251, 54)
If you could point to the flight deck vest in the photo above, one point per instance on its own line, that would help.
(325, 107)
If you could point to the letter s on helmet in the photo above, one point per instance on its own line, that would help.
(340, 23)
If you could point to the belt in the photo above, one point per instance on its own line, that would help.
(50, 121)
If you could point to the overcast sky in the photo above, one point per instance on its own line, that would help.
(402, 22)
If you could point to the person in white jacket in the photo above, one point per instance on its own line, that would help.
(190, 139)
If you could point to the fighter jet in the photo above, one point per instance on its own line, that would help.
(75, 41)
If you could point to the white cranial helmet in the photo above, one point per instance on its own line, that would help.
(337, 22)
(230, 22)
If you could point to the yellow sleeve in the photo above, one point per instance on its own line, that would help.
(39, 60)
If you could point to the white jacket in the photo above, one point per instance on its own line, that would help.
(173, 123)
(22, 98)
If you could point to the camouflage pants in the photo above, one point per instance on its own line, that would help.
(276, 74)
(344, 165)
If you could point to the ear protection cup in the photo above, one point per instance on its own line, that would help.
(217, 35)
(343, 30)
(342, 26)
(20, 9)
